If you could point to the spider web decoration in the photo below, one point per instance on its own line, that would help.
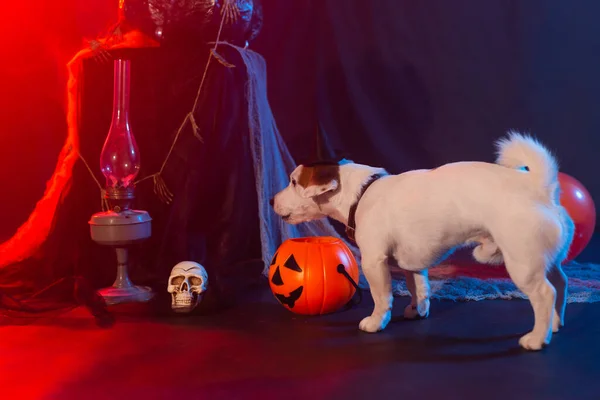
(272, 165)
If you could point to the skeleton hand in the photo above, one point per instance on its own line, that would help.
(100, 52)
(231, 11)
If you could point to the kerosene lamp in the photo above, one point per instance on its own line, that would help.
(121, 226)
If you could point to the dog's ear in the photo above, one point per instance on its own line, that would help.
(316, 180)
(316, 190)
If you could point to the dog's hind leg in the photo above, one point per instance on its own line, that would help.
(531, 280)
(378, 275)
(559, 280)
(417, 284)
(556, 275)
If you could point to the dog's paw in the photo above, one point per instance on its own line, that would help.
(533, 341)
(557, 323)
(374, 324)
(419, 311)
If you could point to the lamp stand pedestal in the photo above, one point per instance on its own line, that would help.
(121, 230)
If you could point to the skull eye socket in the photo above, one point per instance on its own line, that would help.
(195, 281)
(177, 280)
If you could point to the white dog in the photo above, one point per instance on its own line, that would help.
(510, 209)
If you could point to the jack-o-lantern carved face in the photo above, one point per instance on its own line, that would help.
(304, 275)
(289, 265)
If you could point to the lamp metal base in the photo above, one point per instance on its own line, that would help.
(132, 294)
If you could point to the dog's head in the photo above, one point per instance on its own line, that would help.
(311, 186)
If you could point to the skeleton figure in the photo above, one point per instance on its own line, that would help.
(187, 284)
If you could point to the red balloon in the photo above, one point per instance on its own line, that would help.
(578, 202)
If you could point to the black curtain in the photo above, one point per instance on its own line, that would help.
(288, 43)
(397, 83)
(406, 84)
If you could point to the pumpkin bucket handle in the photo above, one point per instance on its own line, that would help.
(353, 302)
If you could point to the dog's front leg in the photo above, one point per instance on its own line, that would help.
(417, 284)
(378, 275)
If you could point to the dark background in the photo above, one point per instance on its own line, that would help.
(400, 84)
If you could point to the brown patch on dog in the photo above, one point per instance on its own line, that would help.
(316, 175)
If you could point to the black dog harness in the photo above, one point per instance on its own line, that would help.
(351, 227)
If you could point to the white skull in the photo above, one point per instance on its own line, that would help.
(187, 285)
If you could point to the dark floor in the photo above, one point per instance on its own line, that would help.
(261, 351)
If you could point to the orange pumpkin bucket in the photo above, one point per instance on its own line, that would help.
(313, 276)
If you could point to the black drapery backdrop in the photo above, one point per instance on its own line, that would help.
(401, 84)
(407, 84)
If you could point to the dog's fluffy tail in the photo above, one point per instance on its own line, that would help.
(522, 151)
